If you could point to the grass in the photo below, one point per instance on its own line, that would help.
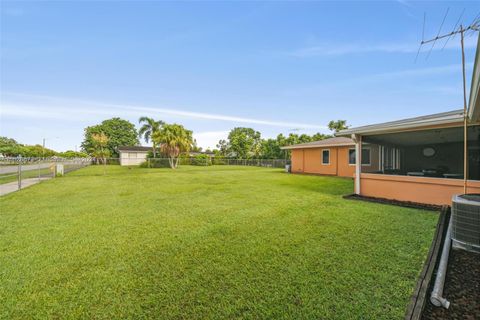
(205, 242)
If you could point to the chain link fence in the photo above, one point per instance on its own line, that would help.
(18, 173)
(195, 161)
(211, 161)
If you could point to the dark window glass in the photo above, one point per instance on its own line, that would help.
(326, 156)
(351, 156)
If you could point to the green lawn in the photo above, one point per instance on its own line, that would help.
(205, 242)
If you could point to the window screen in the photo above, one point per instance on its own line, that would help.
(365, 156)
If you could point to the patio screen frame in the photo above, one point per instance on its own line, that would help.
(400, 153)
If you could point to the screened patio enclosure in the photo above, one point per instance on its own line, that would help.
(435, 153)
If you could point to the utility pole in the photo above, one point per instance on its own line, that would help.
(43, 148)
(465, 125)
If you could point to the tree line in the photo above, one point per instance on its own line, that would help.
(173, 140)
(11, 148)
(169, 140)
(246, 143)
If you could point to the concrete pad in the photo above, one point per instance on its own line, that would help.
(13, 186)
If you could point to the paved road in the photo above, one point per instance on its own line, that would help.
(10, 187)
(27, 167)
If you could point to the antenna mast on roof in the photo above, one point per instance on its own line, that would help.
(473, 27)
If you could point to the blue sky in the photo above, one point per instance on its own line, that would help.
(278, 67)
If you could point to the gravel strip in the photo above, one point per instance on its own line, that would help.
(462, 288)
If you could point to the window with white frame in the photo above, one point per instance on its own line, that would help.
(326, 156)
(132, 155)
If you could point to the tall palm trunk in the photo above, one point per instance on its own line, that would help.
(176, 162)
(171, 162)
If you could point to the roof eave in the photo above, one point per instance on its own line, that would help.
(135, 150)
(474, 100)
(317, 146)
(399, 127)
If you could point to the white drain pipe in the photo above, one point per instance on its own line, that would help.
(437, 293)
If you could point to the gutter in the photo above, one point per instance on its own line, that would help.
(393, 129)
(415, 123)
(316, 146)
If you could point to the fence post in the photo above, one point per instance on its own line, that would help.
(19, 176)
(148, 160)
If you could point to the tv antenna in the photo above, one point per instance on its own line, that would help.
(473, 27)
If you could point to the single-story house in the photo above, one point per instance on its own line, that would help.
(133, 155)
(422, 159)
(332, 156)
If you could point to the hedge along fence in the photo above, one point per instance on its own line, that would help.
(205, 160)
(268, 163)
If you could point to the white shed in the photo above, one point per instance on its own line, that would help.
(133, 155)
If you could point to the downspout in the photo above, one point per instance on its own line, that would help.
(437, 293)
(303, 160)
(336, 162)
(358, 160)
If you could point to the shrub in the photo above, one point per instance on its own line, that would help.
(219, 160)
(155, 163)
(201, 160)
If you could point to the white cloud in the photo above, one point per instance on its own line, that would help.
(359, 48)
(453, 68)
(404, 3)
(209, 139)
(46, 107)
(393, 77)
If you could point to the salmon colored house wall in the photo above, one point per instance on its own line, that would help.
(436, 191)
(309, 160)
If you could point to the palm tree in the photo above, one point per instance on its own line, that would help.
(174, 139)
(100, 142)
(148, 129)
